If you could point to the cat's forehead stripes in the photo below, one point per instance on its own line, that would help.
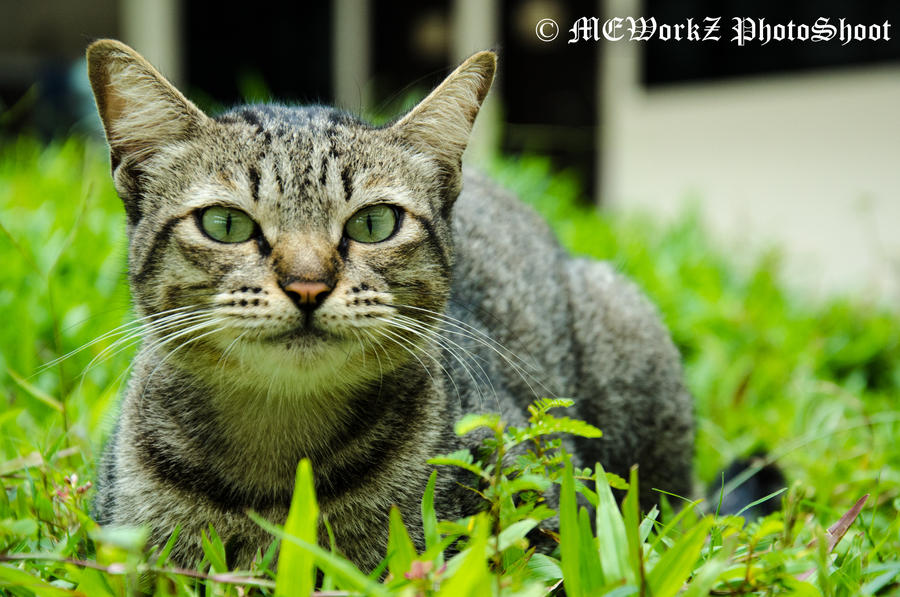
(311, 151)
(254, 181)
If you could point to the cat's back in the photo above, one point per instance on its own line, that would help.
(509, 281)
(506, 257)
(571, 327)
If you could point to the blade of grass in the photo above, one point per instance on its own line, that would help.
(761, 500)
(613, 542)
(296, 575)
(429, 517)
(346, 575)
(589, 558)
(569, 539)
(168, 547)
(472, 576)
(631, 514)
(214, 550)
(35, 391)
(401, 552)
(836, 532)
(657, 543)
(706, 576)
(675, 566)
(13, 577)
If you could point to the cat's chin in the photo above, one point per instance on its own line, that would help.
(297, 363)
(304, 346)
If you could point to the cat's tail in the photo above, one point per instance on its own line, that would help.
(750, 487)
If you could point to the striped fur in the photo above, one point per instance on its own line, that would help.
(470, 305)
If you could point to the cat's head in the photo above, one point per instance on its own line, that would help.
(298, 238)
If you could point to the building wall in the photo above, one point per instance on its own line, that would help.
(807, 162)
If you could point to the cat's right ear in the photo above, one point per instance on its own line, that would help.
(140, 109)
(441, 123)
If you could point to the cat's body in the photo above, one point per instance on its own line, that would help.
(358, 354)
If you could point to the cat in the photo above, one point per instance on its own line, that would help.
(317, 287)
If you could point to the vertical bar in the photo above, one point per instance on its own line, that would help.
(474, 28)
(153, 28)
(350, 47)
(617, 91)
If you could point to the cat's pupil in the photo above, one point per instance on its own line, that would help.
(228, 224)
(369, 222)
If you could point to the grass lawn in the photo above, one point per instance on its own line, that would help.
(814, 384)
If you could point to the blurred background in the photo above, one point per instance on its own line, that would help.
(790, 144)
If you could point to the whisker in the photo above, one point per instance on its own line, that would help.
(193, 317)
(399, 341)
(117, 330)
(392, 336)
(470, 329)
(135, 336)
(163, 323)
(523, 374)
(478, 311)
(441, 341)
(375, 346)
(488, 342)
(437, 332)
(222, 358)
(182, 345)
(361, 346)
(461, 348)
(181, 332)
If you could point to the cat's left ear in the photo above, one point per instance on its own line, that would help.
(441, 123)
(140, 109)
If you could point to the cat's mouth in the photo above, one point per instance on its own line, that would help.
(302, 334)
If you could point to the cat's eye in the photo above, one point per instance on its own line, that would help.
(227, 225)
(372, 224)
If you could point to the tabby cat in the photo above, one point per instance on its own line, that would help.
(317, 287)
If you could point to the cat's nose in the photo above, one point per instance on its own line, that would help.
(307, 295)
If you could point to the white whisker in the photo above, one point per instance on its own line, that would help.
(392, 336)
(444, 340)
(434, 334)
(477, 336)
(470, 329)
(222, 358)
(136, 336)
(124, 328)
(175, 336)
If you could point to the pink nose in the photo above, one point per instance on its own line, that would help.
(307, 295)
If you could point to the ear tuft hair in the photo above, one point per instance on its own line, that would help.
(441, 123)
(139, 108)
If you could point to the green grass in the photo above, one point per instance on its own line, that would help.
(815, 383)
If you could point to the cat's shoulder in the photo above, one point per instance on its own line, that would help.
(485, 209)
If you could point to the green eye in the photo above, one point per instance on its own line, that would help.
(227, 225)
(372, 224)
